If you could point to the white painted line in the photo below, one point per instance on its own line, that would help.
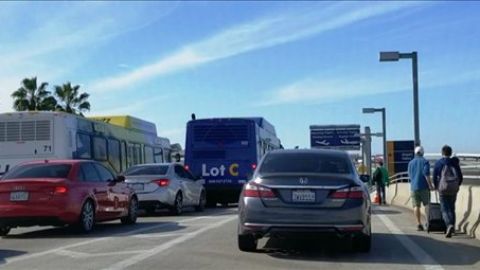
(87, 242)
(83, 255)
(157, 235)
(416, 251)
(167, 245)
(72, 254)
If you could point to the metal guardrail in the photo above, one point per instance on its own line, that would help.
(401, 177)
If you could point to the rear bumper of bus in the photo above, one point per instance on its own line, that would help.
(229, 194)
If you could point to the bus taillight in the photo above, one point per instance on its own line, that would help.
(254, 166)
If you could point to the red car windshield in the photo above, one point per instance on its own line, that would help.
(39, 171)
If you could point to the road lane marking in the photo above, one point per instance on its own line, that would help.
(157, 235)
(415, 250)
(87, 242)
(83, 255)
(167, 245)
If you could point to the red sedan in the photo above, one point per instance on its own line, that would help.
(64, 192)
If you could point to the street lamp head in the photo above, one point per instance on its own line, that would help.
(389, 56)
(369, 110)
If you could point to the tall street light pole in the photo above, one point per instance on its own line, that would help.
(395, 56)
(384, 129)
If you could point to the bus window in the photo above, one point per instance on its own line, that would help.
(137, 154)
(130, 155)
(84, 146)
(124, 156)
(158, 155)
(99, 149)
(114, 154)
(148, 154)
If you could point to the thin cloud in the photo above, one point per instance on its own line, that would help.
(322, 89)
(263, 33)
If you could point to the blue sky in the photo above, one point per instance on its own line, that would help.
(294, 63)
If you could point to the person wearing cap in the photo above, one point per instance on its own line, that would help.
(420, 184)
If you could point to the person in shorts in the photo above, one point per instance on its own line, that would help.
(420, 184)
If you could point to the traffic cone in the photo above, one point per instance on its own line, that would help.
(376, 198)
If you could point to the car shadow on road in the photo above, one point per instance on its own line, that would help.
(6, 253)
(385, 249)
(101, 230)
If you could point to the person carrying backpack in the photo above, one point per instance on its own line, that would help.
(447, 178)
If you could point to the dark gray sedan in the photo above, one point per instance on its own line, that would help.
(305, 191)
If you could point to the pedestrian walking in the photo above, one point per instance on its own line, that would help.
(447, 178)
(420, 184)
(380, 179)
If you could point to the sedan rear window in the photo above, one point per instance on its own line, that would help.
(39, 171)
(147, 170)
(305, 163)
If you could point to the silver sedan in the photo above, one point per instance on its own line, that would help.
(305, 192)
(166, 185)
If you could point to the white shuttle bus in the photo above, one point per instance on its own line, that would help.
(117, 141)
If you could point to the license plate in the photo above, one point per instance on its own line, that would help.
(19, 196)
(137, 187)
(303, 196)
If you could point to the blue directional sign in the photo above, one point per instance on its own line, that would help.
(344, 137)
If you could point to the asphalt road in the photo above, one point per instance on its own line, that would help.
(208, 241)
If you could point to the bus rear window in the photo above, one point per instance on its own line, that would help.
(221, 134)
(39, 171)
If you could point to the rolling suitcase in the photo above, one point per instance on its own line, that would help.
(435, 221)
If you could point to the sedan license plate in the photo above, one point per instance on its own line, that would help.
(137, 187)
(303, 196)
(19, 196)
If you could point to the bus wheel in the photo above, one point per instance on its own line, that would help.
(211, 203)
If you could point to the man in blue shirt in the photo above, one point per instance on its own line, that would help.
(420, 184)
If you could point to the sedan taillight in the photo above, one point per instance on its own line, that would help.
(60, 190)
(253, 190)
(348, 193)
(162, 182)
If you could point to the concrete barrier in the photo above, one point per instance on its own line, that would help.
(467, 206)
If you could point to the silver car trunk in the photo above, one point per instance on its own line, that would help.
(144, 183)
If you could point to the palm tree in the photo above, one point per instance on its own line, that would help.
(70, 100)
(31, 97)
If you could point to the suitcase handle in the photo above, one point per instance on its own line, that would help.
(436, 196)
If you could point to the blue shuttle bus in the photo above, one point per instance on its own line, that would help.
(225, 152)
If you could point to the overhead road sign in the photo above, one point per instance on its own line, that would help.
(343, 137)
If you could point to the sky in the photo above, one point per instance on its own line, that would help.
(295, 63)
